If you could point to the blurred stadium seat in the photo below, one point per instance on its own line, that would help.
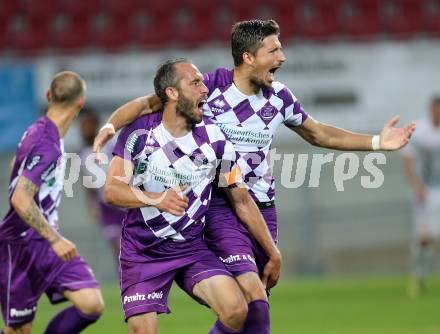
(360, 19)
(42, 8)
(73, 34)
(318, 19)
(403, 18)
(431, 22)
(195, 27)
(113, 25)
(29, 33)
(113, 33)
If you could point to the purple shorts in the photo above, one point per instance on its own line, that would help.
(146, 278)
(229, 239)
(29, 270)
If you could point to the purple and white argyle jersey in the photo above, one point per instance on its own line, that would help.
(38, 159)
(161, 162)
(250, 122)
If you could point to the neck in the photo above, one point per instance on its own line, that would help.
(175, 124)
(242, 81)
(62, 117)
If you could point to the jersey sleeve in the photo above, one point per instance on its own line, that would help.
(130, 140)
(40, 161)
(218, 78)
(208, 80)
(294, 113)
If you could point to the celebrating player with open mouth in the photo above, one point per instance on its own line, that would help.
(163, 171)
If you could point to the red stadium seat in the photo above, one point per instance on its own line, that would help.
(8, 8)
(3, 33)
(31, 35)
(431, 22)
(74, 7)
(124, 8)
(115, 34)
(362, 19)
(156, 28)
(74, 35)
(194, 28)
(404, 18)
(286, 17)
(319, 19)
(222, 23)
(38, 8)
(245, 9)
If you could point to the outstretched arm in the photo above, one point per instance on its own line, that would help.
(322, 135)
(23, 202)
(125, 115)
(251, 217)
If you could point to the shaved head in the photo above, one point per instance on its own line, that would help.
(66, 88)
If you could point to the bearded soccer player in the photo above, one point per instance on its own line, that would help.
(249, 106)
(34, 257)
(162, 238)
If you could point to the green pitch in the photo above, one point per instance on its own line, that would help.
(304, 306)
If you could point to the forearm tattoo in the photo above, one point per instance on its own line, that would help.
(31, 213)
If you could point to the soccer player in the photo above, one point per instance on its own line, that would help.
(421, 162)
(34, 257)
(109, 217)
(249, 106)
(162, 238)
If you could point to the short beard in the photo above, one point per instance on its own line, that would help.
(258, 84)
(184, 108)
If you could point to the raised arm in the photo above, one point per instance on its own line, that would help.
(23, 202)
(118, 191)
(322, 135)
(251, 217)
(125, 115)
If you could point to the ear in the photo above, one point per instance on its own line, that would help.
(81, 102)
(248, 58)
(172, 93)
(48, 96)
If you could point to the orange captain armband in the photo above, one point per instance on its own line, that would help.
(235, 176)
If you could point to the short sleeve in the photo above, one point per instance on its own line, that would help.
(208, 80)
(221, 77)
(41, 161)
(294, 113)
(129, 143)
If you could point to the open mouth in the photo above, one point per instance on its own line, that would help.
(271, 73)
(201, 103)
(273, 70)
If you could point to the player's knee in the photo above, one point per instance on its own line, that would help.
(236, 312)
(94, 305)
(141, 327)
(22, 329)
(252, 287)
